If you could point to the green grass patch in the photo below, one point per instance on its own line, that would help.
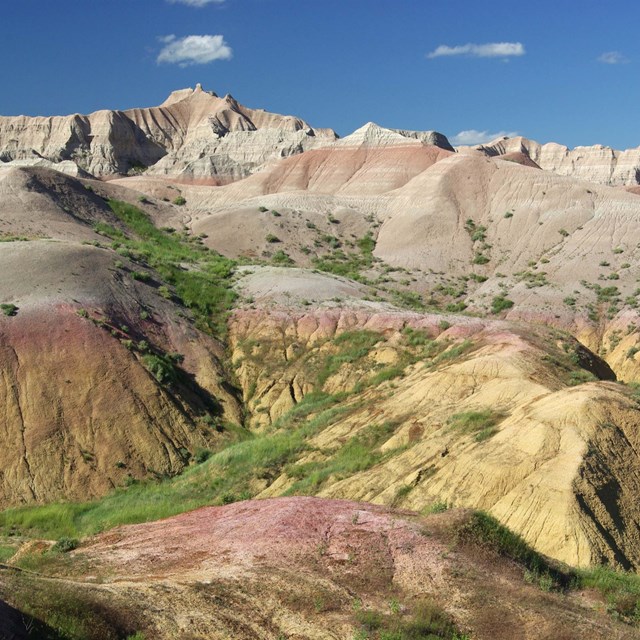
(425, 620)
(620, 589)
(6, 551)
(351, 346)
(359, 453)
(225, 476)
(204, 287)
(482, 424)
(500, 303)
(485, 531)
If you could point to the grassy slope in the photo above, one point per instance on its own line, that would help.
(234, 473)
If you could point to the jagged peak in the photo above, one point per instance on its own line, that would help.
(375, 135)
(184, 94)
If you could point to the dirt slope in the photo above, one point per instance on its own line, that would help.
(229, 572)
(500, 416)
(83, 409)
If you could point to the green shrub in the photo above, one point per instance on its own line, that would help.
(161, 367)
(500, 303)
(272, 239)
(480, 423)
(64, 545)
(142, 276)
(202, 455)
(282, 259)
(9, 309)
(180, 201)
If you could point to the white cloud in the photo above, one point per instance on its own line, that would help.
(613, 57)
(488, 50)
(196, 3)
(472, 137)
(193, 50)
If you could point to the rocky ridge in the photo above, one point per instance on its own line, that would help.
(193, 136)
(596, 163)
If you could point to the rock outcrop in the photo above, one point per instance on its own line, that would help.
(83, 405)
(554, 450)
(193, 136)
(595, 163)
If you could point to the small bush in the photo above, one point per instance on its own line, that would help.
(500, 303)
(9, 309)
(272, 238)
(480, 423)
(281, 258)
(142, 276)
(64, 545)
(202, 455)
(164, 292)
(162, 368)
(180, 201)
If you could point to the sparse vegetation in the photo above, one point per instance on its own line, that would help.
(500, 303)
(65, 544)
(205, 288)
(425, 620)
(482, 424)
(8, 309)
(352, 346)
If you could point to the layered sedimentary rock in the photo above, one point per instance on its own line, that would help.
(199, 137)
(102, 143)
(350, 563)
(557, 461)
(84, 407)
(81, 411)
(596, 163)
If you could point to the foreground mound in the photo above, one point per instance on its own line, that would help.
(412, 409)
(310, 568)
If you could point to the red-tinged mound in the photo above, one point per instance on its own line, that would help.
(90, 397)
(319, 569)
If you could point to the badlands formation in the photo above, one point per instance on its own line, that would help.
(398, 375)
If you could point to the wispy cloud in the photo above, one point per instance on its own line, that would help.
(196, 3)
(613, 57)
(472, 137)
(193, 50)
(488, 50)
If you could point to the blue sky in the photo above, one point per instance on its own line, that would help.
(562, 70)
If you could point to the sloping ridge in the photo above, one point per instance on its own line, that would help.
(82, 411)
(559, 463)
(596, 163)
(190, 123)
